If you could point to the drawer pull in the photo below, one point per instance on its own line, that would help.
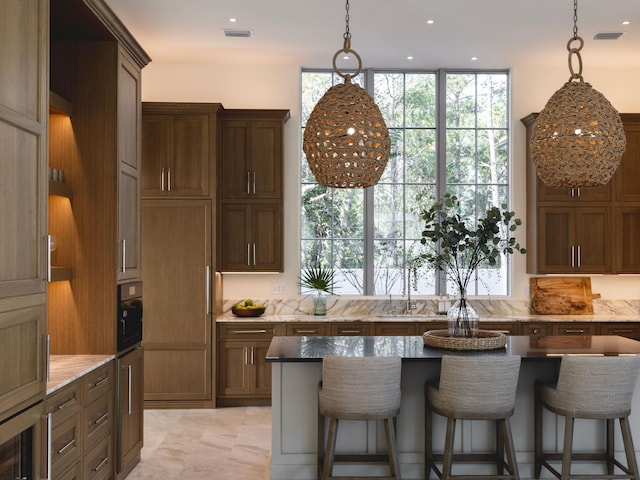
(66, 404)
(248, 331)
(350, 331)
(101, 419)
(535, 331)
(101, 464)
(97, 384)
(622, 330)
(307, 331)
(574, 330)
(68, 445)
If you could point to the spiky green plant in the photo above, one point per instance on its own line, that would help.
(318, 278)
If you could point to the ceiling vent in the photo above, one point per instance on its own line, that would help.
(237, 33)
(607, 36)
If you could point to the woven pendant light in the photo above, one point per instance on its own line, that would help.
(578, 138)
(346, 140)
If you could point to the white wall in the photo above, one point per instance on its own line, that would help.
(241, 86)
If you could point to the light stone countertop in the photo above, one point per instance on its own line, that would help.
(64, 369)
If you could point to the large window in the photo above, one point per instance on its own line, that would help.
(449, 133)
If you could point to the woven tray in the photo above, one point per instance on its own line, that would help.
(485, 340)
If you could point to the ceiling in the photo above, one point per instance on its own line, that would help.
(307, 33)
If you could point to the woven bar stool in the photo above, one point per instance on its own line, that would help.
(596, 388)
(358, 389)
(473, 388)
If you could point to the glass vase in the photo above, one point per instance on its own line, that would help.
(319, 304)
(462, 319)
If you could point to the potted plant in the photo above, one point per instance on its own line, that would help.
(458, 249)
(322, 280)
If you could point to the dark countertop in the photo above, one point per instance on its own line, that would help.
(312, 349)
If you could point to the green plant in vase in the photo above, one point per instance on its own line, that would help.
(322, 280)
(458, 249)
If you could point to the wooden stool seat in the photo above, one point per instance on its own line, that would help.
(473, 388)
(365, 388)
(595, 388)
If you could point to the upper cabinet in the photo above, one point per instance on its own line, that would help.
(178, 149)
(586, 230)
(252, 154)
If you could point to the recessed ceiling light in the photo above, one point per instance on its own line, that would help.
(474, 58)
(233, 20)
(430, 22)
(410, 57)
(626, 22)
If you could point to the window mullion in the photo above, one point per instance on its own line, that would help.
(441, 157)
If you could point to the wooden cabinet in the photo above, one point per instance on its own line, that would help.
(178, 148)
(244, 376)
(306, 329)
(177, 336)
(23, 201)
(129, 153)
(630, 330)
(130, 411)
(586, 230)
(250, 199)
(395, 328)
(573, 328)
(82, 422)
(350, 328)
(574, 239)
(251, 237)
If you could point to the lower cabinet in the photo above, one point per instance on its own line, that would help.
(130, 410)
(82, 425)
(244, 376)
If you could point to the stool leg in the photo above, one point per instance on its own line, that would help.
(510, 449)
(610, 445)
(330, 450)
(392, 447)
(320, 442)
(629, 451)
(448, 449)
(499, 447)
(537, 433)
(428, 441)
(567, 448)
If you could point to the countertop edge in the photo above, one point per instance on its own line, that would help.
(64, 369)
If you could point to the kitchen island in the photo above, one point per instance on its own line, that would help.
(297, 370)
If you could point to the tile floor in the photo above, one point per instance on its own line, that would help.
(217, 444)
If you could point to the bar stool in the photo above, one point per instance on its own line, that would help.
(589, 387)
(365, 388)
(473, 388)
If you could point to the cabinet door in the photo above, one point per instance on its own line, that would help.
(176, 260)
(395, 328)
(266, 159)
(262, 369)
(555, 239)
(236, 180)
(600, 193)
(266, 237)
(233, 372)
(129, 153)
(626, 177)
(23, 136)
(236, 251)
(130, 410)
(155, 152)
(627, 237)
(593, 237)
(188, 162)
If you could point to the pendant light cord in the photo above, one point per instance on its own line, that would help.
(575, 19)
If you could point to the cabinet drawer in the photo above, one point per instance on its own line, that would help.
(73, 473)
(432, 325)
(98, 419)
(98, 383)
(579, 329)
(99, 462)
(66, 445)
(350, 329)
(625, 330)
(394, 328)
(64, 403)
(245, 331)
(306, 329)
(508, 328)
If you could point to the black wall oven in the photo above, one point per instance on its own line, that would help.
(129, 322)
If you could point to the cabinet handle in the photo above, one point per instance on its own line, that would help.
(207, 290)
(162, 180)
(101, 419)
(573, 256)
(579, 255)
(48, 258)
(252, 357)
(124, 256)
(68, 445)
(306, 331)
(622, 330)
(129, 382)
(97, 384)
(350, 331)
(242, 332)
(69, 402)
(168, 179)
(248, 183)
(254, 183)
(101, 464)
(248, 254)
(254, 254)
(49, 444)
(535, 331)
(574, 330)
(246, 355)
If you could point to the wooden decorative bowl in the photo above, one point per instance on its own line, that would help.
(247, 312)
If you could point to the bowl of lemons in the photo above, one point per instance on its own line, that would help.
(247, 308)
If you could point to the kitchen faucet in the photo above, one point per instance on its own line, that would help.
(411, 304)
